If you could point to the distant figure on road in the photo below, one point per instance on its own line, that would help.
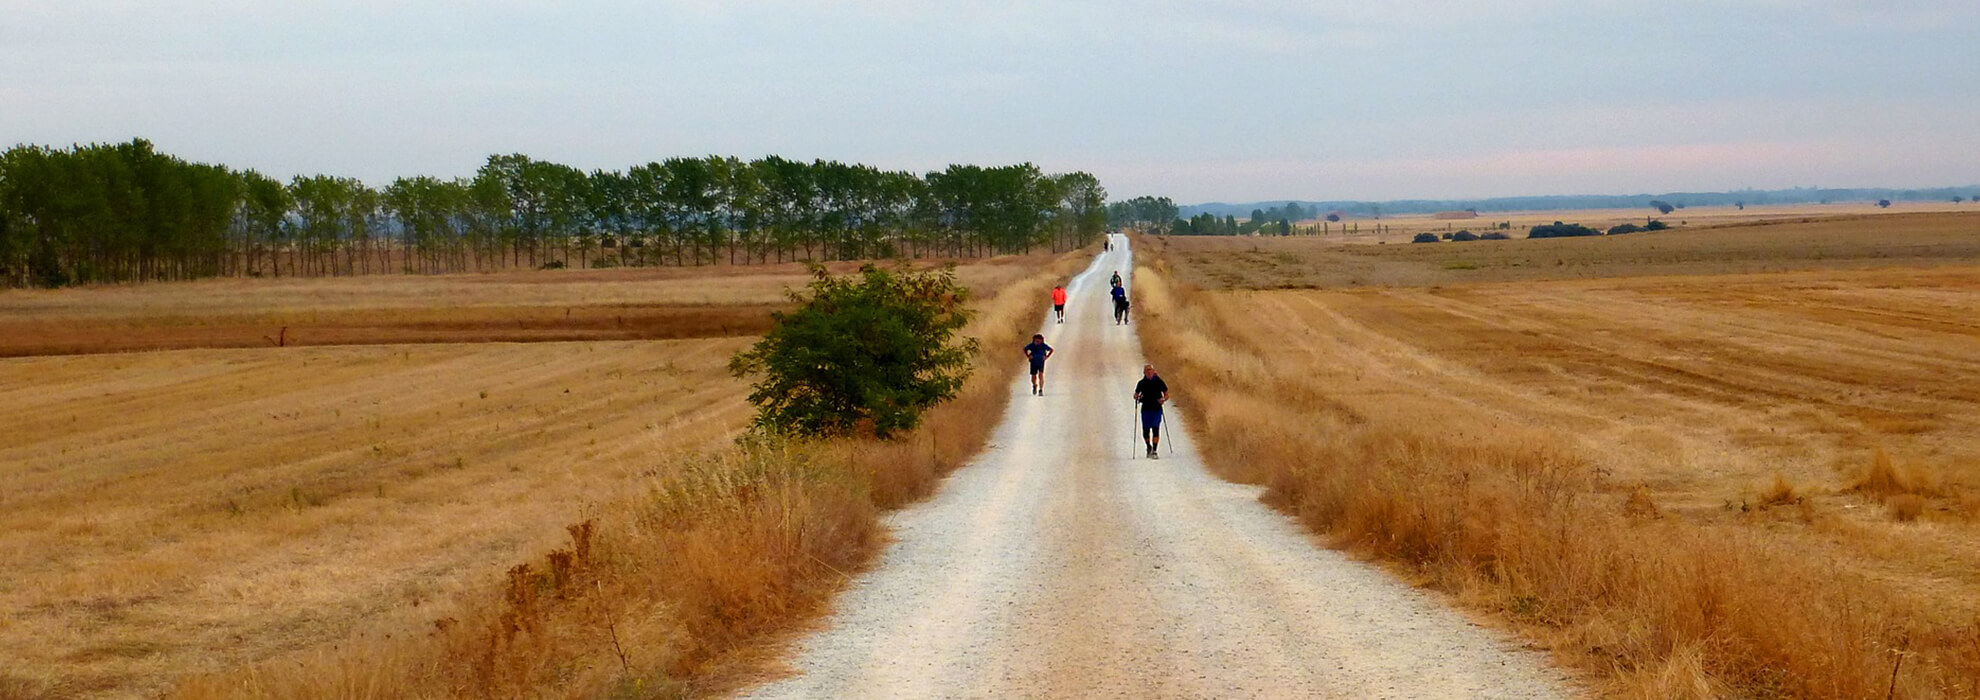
(1120, 304)
(1037, 351)
(1116, 281)
(1151, 393)
(1106, 245)
(1059, 302)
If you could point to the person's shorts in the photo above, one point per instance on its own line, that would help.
(1059, 307)
(1037, 368)
(1151, 419)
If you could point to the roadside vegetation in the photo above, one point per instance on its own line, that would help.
(1697, 523)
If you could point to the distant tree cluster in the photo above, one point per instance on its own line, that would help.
(1561, 230)
(1142, 211)
(1274, 221)
(1205, 225)
(126, 213)
(1292, 211)
(1620, 229)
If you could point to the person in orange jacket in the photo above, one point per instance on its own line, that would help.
(1059, 302)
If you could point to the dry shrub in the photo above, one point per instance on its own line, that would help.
(1885, 477)
(676, 589)
(1512, 520)
(1780, 493)
(1906, 507)
(1639, 506)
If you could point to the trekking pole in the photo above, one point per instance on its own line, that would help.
(1134, 425)
(1162, 409)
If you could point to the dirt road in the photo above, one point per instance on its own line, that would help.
(1060, 564)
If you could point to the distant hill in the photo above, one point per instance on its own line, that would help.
(1799, 195)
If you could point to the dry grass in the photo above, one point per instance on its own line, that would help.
(1567, 456)
(1885, 478)
(1906, 507)
(336, 522)
(1780, 493)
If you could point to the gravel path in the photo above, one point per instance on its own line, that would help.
(1059, 564)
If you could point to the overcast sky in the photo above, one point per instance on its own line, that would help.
(1236, 101)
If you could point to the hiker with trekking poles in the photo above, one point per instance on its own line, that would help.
(1150, 394)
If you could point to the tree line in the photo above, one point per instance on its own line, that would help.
(1142, 212)
(127, 213)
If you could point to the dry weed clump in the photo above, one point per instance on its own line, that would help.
(1514, 519)
(1639, 506)
(1885, 477)
(1780, 493)
(1905, 508)
(674, 590)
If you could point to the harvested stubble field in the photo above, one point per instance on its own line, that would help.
(1399, 229)
(1801, 243)
(517, 306)
(208, 512)
(1691, 479)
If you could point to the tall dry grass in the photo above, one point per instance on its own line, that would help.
(1516, 521)
(682, 588)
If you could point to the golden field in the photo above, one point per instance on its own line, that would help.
(337, 521)
(1392, 229)
(1798, 243)
(1685, 475)
(517, 306)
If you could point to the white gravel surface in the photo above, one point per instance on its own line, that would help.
(1061, 564)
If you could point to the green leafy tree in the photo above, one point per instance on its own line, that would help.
(1085, 209)
(263, 207)
(864, 353)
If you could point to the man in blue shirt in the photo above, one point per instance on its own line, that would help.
(1120, 304)
(1037, 351)
(1151, 393)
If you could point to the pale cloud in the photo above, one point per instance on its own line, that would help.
(1228, 100)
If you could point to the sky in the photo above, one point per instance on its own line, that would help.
(1243, 100)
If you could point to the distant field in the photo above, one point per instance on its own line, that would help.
(1665, 403)
(1399, 229)
(191, 511)
(525, 306)
(1851, 242)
